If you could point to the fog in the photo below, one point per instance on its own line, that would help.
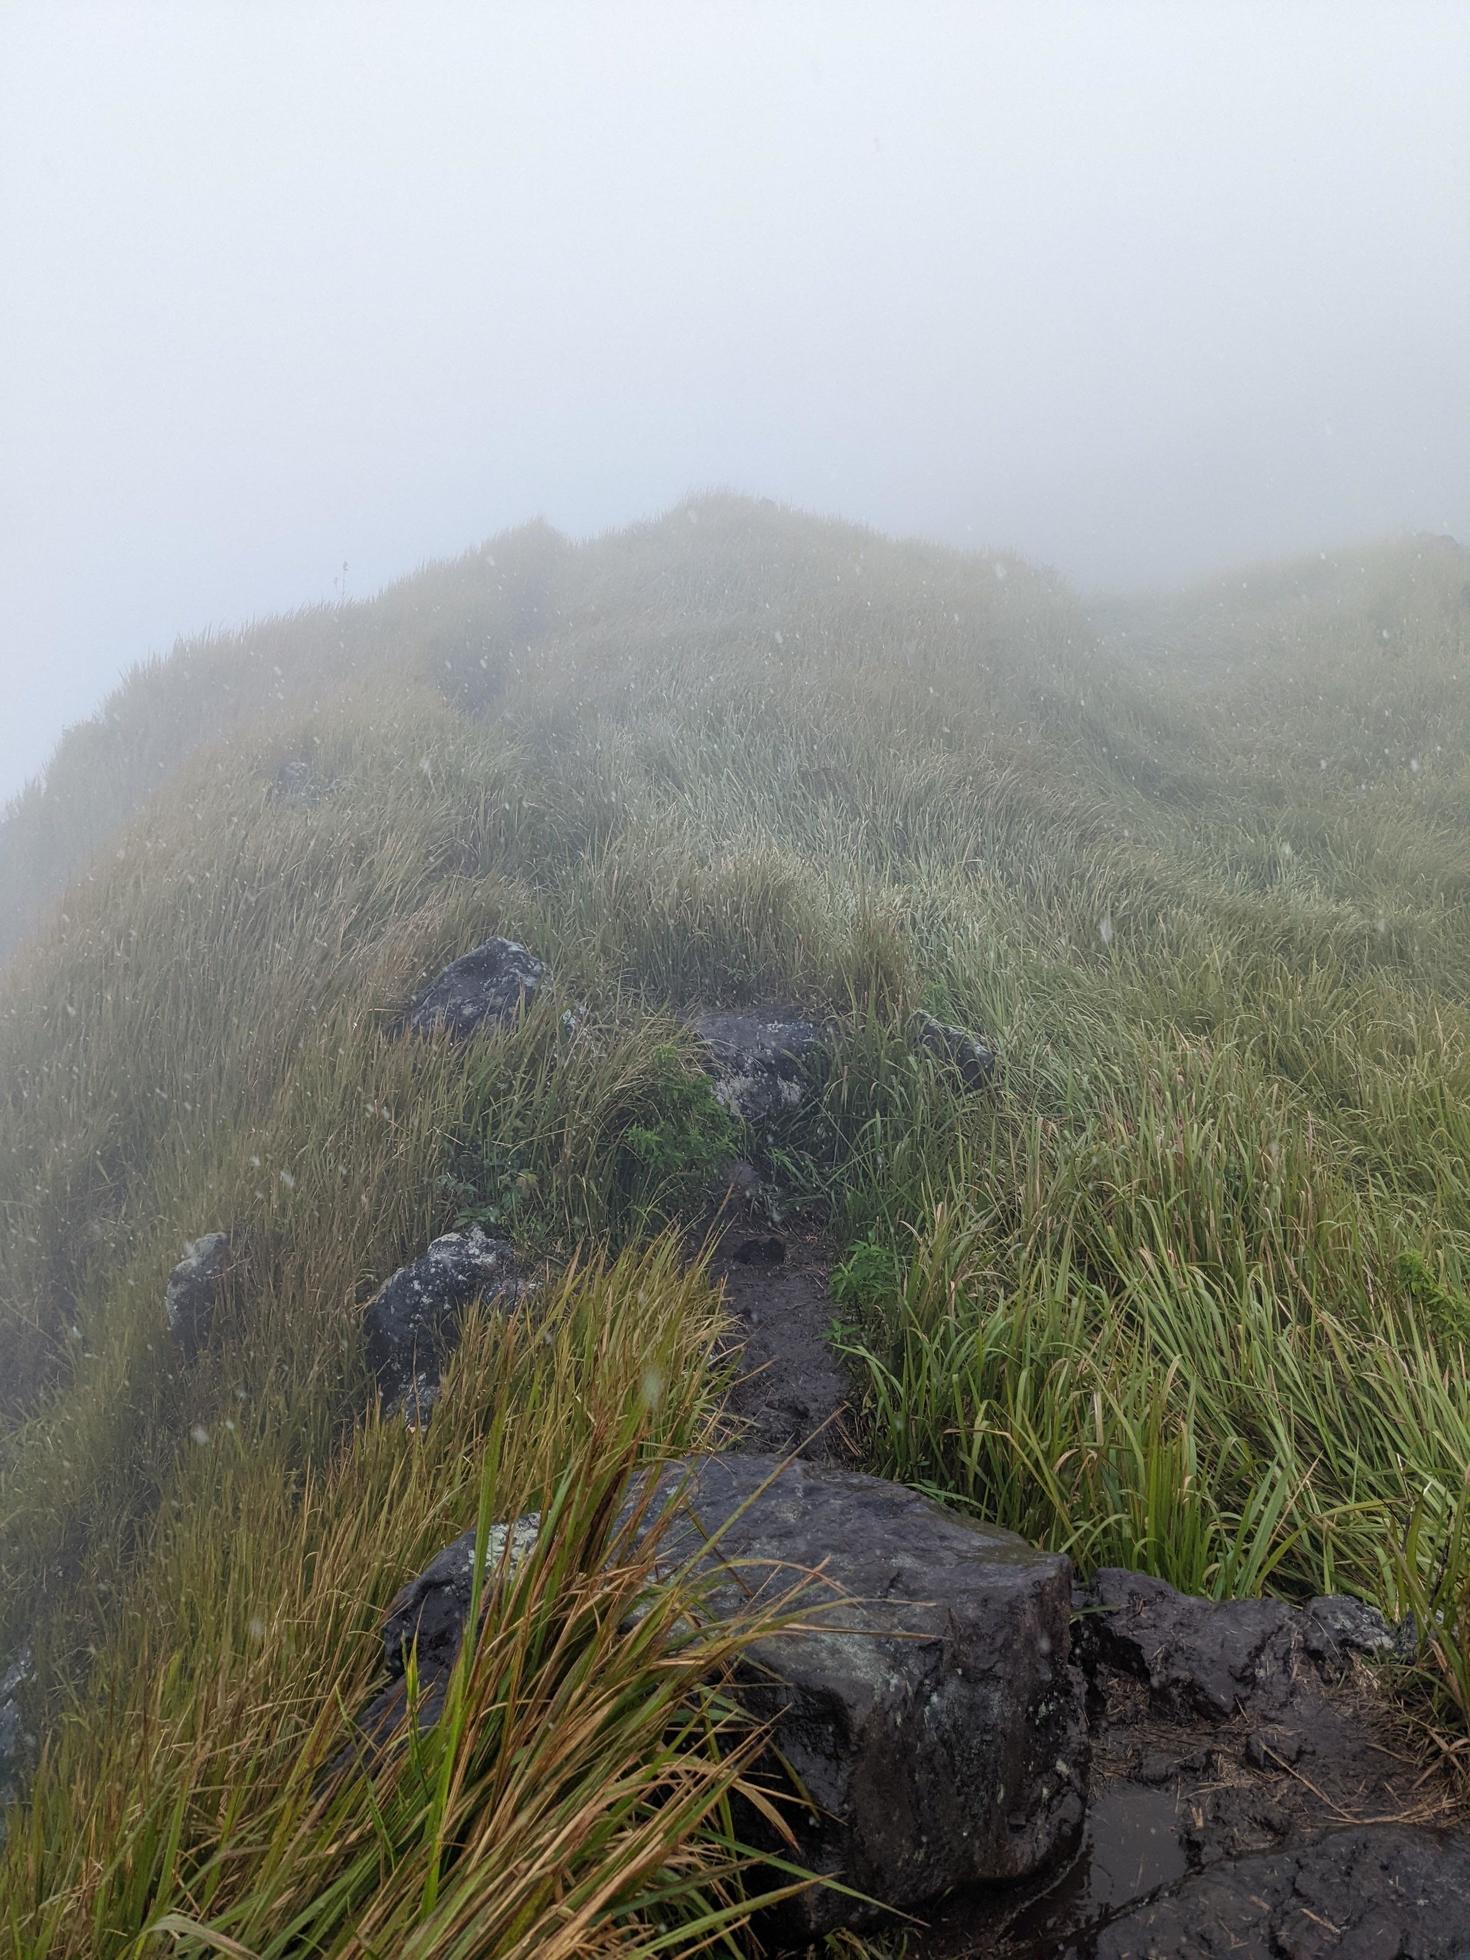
(1138, 290)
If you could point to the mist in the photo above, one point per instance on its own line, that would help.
(1135, 290)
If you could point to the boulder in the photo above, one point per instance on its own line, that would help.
(963, 1053)
(1217, 1658)
(1373, 1892)
(930, 1714)
(429, 1613)
(484, 988)
(412, 1321)
(759, 1060)
(193, 1291)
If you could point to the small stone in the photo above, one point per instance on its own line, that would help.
(1339, 1629)
(1155, 1767)
(1273, 1749)
(965, 1054)
(764, 1249)
(193, 1291)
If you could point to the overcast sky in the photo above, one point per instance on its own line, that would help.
(1135, 289)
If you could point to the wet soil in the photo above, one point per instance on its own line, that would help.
(792, 1394)
(1188, 1818)
(1251, 1791)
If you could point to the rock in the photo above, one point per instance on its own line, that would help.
(959, 1050)
(1274, 1748)
(17, 1746)
(193, 1291)
(412, 1322)
(430, 1611)
(759, 1061)
(759, 1249)
(1198, 1656)
(934, 1722)
(486, 987)
(1338, 1629)
(1370, 1892)
(1216, 1657)
(429, 1614)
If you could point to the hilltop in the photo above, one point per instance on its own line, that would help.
(1185, 1289)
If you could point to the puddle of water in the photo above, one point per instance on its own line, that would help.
(1131, 1847)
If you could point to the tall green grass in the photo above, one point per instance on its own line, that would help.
(576, 1794)
(1187, 1289)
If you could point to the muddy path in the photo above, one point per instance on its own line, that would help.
(791, 1392)
(1251, 1791)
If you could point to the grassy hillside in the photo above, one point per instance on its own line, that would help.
(1190, 1291)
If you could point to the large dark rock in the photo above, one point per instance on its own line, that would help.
(484, 988)
(963, 1053)
(1216, 1658)
(931, 1716)
(412, 1322)
(193, 1291)
(759, 1060)
(429, 1612)
(1372, 1892)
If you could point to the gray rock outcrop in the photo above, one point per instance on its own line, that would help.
(759, 1060)
(412, 1322)
(483, 989)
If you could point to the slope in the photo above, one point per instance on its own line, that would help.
(1189, 1292)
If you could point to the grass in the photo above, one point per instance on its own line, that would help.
(576, 1795)
(1186, 1291)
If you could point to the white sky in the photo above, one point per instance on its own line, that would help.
(1135, 289)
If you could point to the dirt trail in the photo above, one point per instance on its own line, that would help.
(794, 1390)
